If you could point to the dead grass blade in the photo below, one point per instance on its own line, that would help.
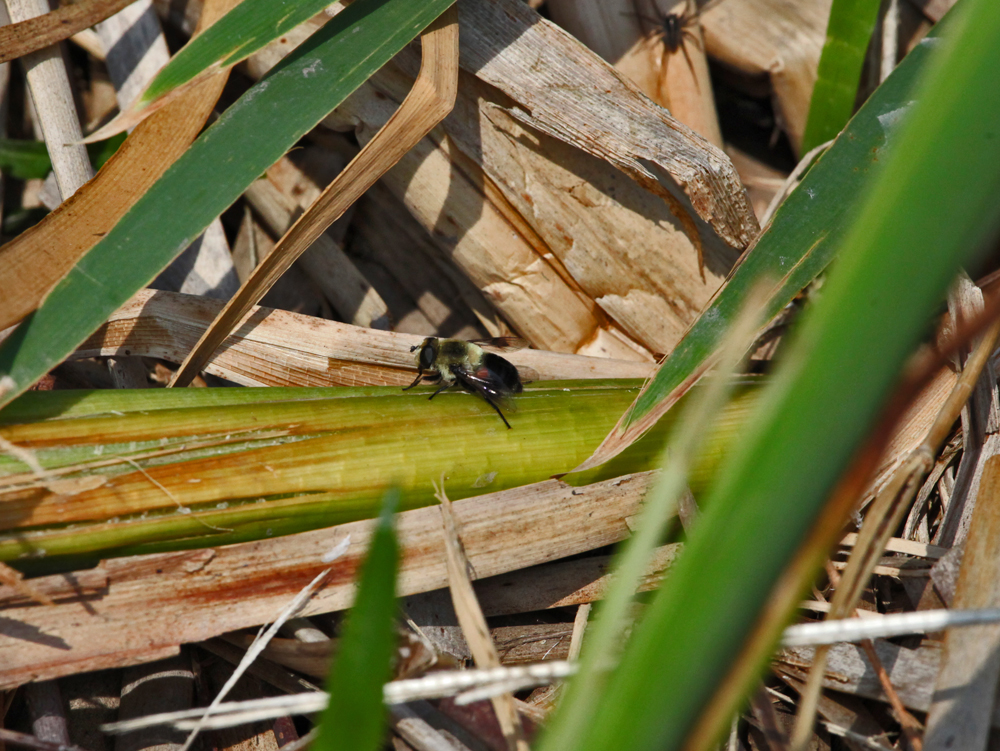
(473, 622)
(19, 39)
(33, 262)
(429, 102)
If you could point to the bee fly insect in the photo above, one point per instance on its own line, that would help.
(467, 365)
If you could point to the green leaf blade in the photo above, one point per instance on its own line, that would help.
(242, 31)
(355, 717)
(847, 36)
(803, 237)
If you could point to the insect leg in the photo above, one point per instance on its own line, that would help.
(420, 374)
(490, 402)
(443, 387)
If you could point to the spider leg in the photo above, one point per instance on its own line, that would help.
(694, 37)
(687, 57)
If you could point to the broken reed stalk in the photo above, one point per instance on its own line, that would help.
(280, 348)
(429, 102)
(54, 107)
(882, 519)
(251, 463)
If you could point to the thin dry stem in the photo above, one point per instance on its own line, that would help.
(473, 622)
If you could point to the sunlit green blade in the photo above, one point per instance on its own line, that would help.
(234, 37)
(847, 36)
(355, 717)
(250, 136)
(930, 211)
(806, 233)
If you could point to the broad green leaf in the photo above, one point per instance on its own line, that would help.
(930, 211)
(249, 137)
(242, 31)
(848, 33)
(355, 717)
(803, 238)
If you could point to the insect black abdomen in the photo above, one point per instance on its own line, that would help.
(505, 371)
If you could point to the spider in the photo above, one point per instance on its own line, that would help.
(671, 28)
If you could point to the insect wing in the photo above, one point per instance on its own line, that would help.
(487, 384)
(502, 343)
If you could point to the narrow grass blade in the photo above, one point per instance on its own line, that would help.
(245, 29)
(261, 126)
(355, 716)
(242, 31)
(848, 33)
(804, 237)
(930, 211)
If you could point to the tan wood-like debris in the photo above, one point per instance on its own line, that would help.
(142, 608)
(279, 348)
(526, 187)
